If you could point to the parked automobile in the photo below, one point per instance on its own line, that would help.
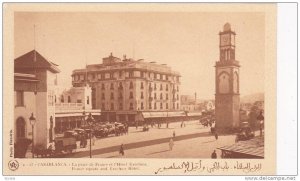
(71, 134)
(101, 131)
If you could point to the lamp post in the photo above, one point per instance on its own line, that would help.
(90, 121)
(32, 122)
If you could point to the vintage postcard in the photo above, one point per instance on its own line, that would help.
(139, 89)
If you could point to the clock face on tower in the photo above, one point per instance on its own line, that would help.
(225, 39)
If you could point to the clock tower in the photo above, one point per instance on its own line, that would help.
(227, 97)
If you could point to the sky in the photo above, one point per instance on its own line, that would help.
(186, 41)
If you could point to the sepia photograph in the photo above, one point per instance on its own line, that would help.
(132, 83)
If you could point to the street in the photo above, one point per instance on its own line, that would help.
(191, 141)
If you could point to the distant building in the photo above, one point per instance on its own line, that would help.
(72, 106)
(34, 85)
(122, 88)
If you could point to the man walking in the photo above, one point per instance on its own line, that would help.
(216, 135)
(214, 155)
(171, 144)
(121, 150)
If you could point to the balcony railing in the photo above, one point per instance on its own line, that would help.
(68, 106)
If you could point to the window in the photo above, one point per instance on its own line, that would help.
(20, 98)
(93, 76)
(155, 76)
(161, 96)
(131, 74)
(177, 97)
(111, 95)
(161, 105)
(55, 98)
(131, 106)
(167, 87)
(102, 86)
(103, 106)
(111, 86)
(103, 96)
(150, 106)
(121, 106)
(142, 74)
(142, 85)
(120, 96)
(167, 96)
(102, 76)
(120, 86)
(154, 95)
(131, 85)
(112, 106)
(161, 76)
(131, 95)
(88, 100)
(142, 95)
(167, 77)
(177, 106)
(142, 106)
(20, 125)
(167, 106)
(155, 105)
(120, 74)
(161, 87)
(79, 101)
(177, 88)
(154, 86)
(173, 105)
(62, 99)
(111, 75)
(69, 99)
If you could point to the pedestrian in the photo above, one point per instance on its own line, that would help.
(121, 150)
(260, 118)
(214, 155)
(174, 134)
(171, 144)
(216, 135)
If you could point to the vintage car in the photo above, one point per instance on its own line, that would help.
(100, 131)
(71, 134)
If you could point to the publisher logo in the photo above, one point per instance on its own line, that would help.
(13, 165)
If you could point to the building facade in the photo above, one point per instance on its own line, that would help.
(72, 106)
(34, 86)
(227, 97)
(122, 88)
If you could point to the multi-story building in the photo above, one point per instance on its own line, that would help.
(34, 85)
(122, 88)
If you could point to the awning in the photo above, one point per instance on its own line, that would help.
(253, 147)
(162, 114)
(194, 114)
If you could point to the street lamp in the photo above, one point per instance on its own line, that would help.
(32, 122)
(90, 121)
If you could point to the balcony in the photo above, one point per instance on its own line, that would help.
(68, 106)
(120, 88)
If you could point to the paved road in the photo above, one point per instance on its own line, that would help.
(138, 144)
